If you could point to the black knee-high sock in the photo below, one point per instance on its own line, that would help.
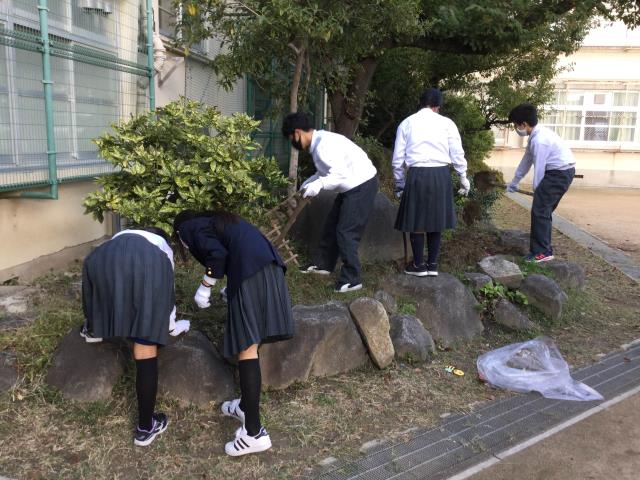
(250, 384)
(433, 247)
(146, 389)
(417, 245)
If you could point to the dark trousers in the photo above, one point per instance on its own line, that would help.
(545, 200)
(343, 230)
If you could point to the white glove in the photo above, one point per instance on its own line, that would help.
(398, 193)
(465, 186)
(172, 319)
(202, 296)
(309, 180)
(181, 326)
(512, 187)
(312, 189)
(223, 294)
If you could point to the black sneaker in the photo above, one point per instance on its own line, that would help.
(417, 271)
(88, 337)
(143, 438)
(314, 269)
(432, 269)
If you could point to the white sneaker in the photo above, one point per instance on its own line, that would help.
(314, 269)
(245, 443)
(347, 287)
(84, 333)
(231, 408)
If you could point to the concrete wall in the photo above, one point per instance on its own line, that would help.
(601, 168)
(41, 229)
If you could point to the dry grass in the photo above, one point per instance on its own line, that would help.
(43, 436)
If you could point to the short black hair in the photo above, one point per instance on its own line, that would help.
(294, 121)
(431, 97)
(525, 112)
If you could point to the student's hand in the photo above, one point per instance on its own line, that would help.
(202, 296)
(309, 180)
(398, 192)
(512, 187)
(312, 189)
(465, 186)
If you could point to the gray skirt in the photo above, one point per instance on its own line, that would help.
(127, 290)
(259, 312)
(427, 201)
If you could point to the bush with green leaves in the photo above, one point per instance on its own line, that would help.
(185, 155)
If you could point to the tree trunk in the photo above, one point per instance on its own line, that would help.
(347, 109)
(293, 107)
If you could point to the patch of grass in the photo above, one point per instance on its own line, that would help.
(406, 306)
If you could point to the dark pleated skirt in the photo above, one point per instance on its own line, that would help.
(427, 201)
(127, 290)
(259, 312)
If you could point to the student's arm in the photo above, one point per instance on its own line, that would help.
(338, 167)
(540, 152)
(215, 260)
(456, 152)
(521, 171)
(397, 162)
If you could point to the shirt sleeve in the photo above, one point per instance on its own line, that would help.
(338, 173)
(456, 152)
(398, 162)
(523, 167)
(540, 153)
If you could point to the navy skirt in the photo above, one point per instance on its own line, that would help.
(127, 290)
(259, 312)
(427, 201)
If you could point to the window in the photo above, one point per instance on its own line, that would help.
(594, 117)
(167, 18)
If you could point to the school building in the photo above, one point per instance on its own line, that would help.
(596, 109)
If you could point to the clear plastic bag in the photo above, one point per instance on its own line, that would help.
(536, 365)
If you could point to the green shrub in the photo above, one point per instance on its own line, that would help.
(183, 156)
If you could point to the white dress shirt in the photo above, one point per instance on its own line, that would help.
(340, 164)
(427, 139)
(546, 151)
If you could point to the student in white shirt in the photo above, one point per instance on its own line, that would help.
(427, 146)
(343, 166)
(553, 172)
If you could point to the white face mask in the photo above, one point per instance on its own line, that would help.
(522, 133)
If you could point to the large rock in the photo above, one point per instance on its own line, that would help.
(508, 315)
(567, 274)
(15, 303)
(410, 339)
(192, 371)
(514, 241)
(544, 294)
(380, 242)
(387, 300)
(502, 271)
(86, 372)
(8, 373)
(326, 342)
(477, 281)
(372, 321)
(446, 308)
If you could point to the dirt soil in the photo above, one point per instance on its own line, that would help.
(44, 436)
(610, 214)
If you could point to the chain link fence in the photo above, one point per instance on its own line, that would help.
(99, 75)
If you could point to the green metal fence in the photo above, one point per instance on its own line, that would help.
(68, 70)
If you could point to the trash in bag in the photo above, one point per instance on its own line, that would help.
(536, 365)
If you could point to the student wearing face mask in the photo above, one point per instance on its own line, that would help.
(553, 172)
(343, 166)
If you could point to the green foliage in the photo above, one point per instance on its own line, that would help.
(183, 156)
(491, 294)
(407, 306)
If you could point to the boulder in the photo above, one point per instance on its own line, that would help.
(514, 241)
(380, 242)
(86, 372)
(387, 300)
(446, 308)
(477, 280)
(502, 271)
(192, 371)
(568, 274)
(410, 339)
(372, 321)
(8, 373)
(326, 342)
(15, 301)
(544, 294)
(508, 315)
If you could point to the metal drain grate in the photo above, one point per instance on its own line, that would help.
(466, 440)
